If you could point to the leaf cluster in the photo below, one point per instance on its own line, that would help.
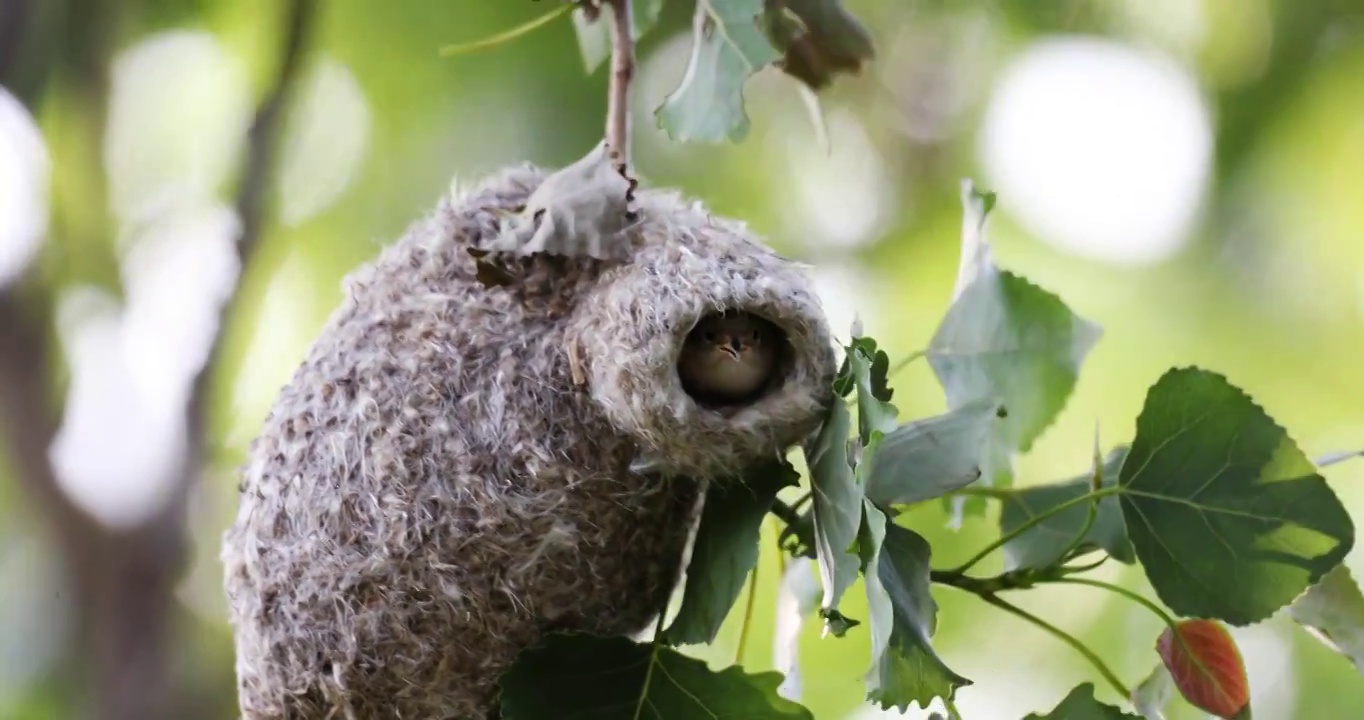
(812, 41)
(1226, 516)
(1228, 519)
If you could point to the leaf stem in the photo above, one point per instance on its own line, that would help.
(785, 513)
(505, 35)
(1073, 569)
(1155, 609)
(1031, 523)
(748, 614)
(1133, 596)
(1064, 637)
(653, 660)
(1092, 512)
(781, 556)
(904, 362)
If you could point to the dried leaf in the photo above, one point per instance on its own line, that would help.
(581, 210)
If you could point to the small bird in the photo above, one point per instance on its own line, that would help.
(727, 358)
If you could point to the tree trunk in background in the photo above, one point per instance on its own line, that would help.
(123, 581)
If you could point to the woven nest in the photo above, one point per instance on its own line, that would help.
(456, 469)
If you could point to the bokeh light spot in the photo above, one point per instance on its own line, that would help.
(1099, 149)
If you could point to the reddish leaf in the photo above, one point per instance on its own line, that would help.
(1207, 668)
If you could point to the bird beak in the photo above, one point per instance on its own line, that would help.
(731, 350)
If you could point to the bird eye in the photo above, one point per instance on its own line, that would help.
(755, 336)
(709, 336)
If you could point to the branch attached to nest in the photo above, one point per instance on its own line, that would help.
(622, 73)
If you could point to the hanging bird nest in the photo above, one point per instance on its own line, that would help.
(483, 445)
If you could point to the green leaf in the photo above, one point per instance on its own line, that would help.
(1043, 544)
(929, 458)
(880, 612)
(1008, 340)
(583, 676)
(996, 470)
(727, 47)
(837, 510)
(868, 373)
(594, 36)
(903, 617)
(1081, 704)
(846, 381)
(1333, 611)
(818, 38)
(726, 549)
(1228, 517)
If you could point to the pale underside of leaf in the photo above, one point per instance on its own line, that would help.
(1154, 693)
(727, 47)
(1005, 340)
(1333, 611)
(926, 459)
(905, 668)
(837, 505)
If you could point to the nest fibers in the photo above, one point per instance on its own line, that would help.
(456, 469)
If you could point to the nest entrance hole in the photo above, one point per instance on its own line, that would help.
(749, 334)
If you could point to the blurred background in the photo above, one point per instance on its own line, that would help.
(1187, 173)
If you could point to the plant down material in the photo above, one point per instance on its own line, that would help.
(458, 468)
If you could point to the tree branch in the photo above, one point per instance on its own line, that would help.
(622, 73)
(262, 138)
(261, 147)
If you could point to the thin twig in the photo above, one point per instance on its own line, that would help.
(1012, 580)
(748, 615)
(506, 35)
(992, 493)
(622, 73)
(1118, 589)
(785, 513)
(262, 145)
(263, 137)
(1066, 638)
(1031, 523)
